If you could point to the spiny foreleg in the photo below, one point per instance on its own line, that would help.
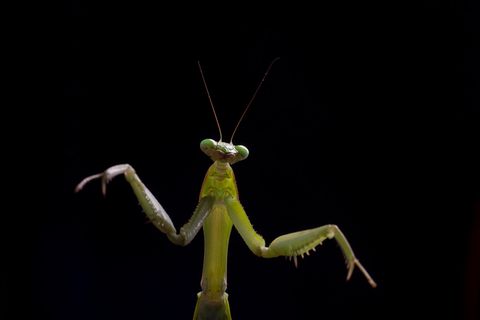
(153, 209)
(294, 244)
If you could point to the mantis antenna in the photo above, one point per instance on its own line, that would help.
(210, 99)
(253, 97)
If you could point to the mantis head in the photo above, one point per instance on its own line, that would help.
(223, 151)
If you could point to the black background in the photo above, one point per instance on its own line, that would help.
(368, 120)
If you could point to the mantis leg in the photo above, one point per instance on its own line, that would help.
(293, 244)
(153, 209)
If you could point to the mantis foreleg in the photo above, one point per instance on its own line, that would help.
(292, 244)
(153, 209)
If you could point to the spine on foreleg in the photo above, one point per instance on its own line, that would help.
(209, 308)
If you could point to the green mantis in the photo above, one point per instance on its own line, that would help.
(218, 210)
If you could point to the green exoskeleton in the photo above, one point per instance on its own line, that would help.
(219, 209)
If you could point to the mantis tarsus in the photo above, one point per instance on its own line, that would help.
(219, 209)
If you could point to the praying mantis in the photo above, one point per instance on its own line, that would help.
(218, 210)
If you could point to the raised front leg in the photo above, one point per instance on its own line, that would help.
(152, 207)
(293, 244)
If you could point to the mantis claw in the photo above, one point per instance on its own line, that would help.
(106, 176)
(350, 267)
(87, 180)
(357, 263)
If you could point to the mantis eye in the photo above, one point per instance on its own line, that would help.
(242, 152)
(207, 145)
